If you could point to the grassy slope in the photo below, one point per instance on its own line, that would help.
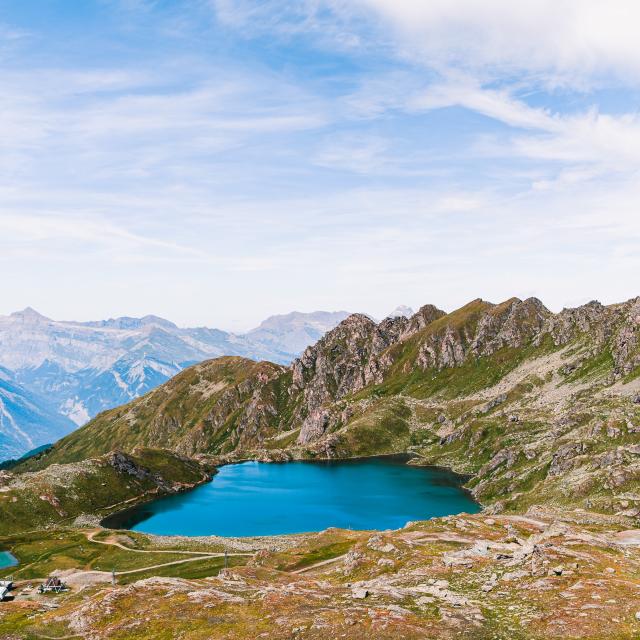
(398, 570)
(173, 415)
(62, 492)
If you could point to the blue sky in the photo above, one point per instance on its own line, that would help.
(217, 161)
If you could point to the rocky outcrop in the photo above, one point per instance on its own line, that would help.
(614, 329)
(542, 575)
(344, 362)
(592, 318)
(481, 329)
(422, 318)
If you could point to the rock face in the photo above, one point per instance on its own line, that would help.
(516, 395)
(347, 360)
(481, 329)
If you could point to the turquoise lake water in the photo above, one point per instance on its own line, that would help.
(7, 559)
(256, 498)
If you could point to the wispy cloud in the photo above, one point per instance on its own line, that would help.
(573, 43)
(611, 141)
(232, 158)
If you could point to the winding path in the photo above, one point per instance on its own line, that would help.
(198, 555)
(91, 538)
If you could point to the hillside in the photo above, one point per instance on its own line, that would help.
(536, 406)
(60, 493)
(542, 411)
(547, 575)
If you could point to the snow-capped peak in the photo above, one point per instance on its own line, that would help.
(401, 311)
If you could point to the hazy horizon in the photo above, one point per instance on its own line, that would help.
(248, 327)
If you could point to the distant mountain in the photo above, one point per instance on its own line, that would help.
(70, 371)
(294, 332)
(401, 312)
(26, 420)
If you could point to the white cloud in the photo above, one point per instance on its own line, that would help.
(578, 146)
(138, 123)
(329, 22)
(568, 42)
(497, 104)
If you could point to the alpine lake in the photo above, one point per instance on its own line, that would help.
(260, 498)
(7, 559)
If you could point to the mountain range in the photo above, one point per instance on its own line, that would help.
(528, 402)
(57, 375)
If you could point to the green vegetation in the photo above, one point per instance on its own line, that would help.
(201, 568)
(42, 552)
(508, 392)
(594, 368)
(382, 429)
(60, 493)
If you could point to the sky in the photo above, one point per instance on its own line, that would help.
(218, 161)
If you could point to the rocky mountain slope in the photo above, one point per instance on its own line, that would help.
(541, 409)
(74, 370)
(535, 405)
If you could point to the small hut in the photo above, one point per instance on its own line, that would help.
(52, 584)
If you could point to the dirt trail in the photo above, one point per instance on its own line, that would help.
(81, 574)
(110, 541)
(84, 577)
(197, 555)
(319, 564)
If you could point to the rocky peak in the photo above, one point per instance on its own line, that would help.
(343, 362)
(567, 324)
(512, 323)
(423, 317)
(360, 366)
(481, 328)
(348, 342)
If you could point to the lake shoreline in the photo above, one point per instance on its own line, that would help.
(444, 479)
